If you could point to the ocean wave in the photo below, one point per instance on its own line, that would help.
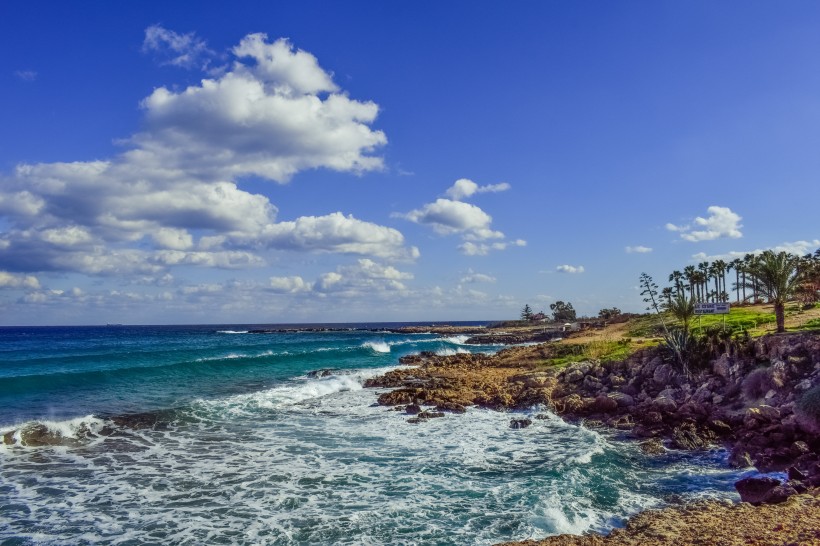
(457, 340)
(39, 433)
(232, 331)
(377, 346)
(450, 352)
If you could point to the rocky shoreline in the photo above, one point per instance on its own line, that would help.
(745, 401)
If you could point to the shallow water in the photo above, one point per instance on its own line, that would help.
(246, 447)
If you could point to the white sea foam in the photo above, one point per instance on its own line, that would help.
(457, 340)
(232, 331)
(312, 461)
(377, 346)
(451, 352)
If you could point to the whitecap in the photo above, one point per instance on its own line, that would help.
(377, 346)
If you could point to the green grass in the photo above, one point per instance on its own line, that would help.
(567, 353)
(813, 324)
(738, 319)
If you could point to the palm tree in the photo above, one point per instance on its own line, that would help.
(677, 278)
(719, 272)
(689, 274)
(775, 276)
(738, 265)
(704, 278)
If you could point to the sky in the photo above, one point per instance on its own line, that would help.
(271, 162)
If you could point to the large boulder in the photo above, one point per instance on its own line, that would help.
(763, 490)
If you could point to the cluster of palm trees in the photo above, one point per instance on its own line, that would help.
(775, 277)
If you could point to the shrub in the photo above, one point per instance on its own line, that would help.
(757, 383)
(808, 409)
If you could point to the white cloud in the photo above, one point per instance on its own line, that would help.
(289, 285)
(9, 280)
(452, 216)
(570, 269)
(338, 233)
(363, 278)
(448, 217)
(463, 188)
(798, 248)
(482, 249)
(185, 50)
(639, 249)
(171, 199)
(720, 223)
(472, 277)
(266, 119)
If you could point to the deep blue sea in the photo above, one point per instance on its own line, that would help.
(215, 435)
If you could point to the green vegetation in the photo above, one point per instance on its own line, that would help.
(813, 324)
(562, 312)
(562, 354)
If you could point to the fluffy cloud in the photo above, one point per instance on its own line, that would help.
(289, 285)
(570, 269)
(452, 216)
(8, 280)
(338, 233)
(448, 217)
(720, 223)
(185, 50)
(365, 277)
(798, 248)
(171, 199)
(639, 249)
(273, 117)
(463, 188)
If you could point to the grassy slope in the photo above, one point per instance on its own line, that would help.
(617, 341)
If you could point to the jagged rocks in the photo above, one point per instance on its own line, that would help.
(689, 436)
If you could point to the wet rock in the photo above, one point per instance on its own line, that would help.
(755, 490)
(688, 436)
(796, 474)
(451, 407)
(430, 414)
(653, 446)
(740, 458)
(412, 409)
(519, 423)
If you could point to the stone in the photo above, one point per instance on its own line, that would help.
(755, 490)
(412, 409)
(663, 375)
(451, 407)
(653, 446)
(740, 459)
(623, 400)
(688, 436)
(604, 404)
(519, 423)
(573, 376)
(664, 404)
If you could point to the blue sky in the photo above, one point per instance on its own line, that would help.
(374, 161)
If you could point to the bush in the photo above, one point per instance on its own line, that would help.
(808, 409)
(757, 383)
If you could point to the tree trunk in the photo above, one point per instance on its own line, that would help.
(780, 315)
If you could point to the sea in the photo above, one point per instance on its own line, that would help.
(223, 434)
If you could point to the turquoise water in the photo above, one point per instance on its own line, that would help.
(214, 435)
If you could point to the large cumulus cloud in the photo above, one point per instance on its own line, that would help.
(171, 197)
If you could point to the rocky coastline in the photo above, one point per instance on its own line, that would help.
(745, 400)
